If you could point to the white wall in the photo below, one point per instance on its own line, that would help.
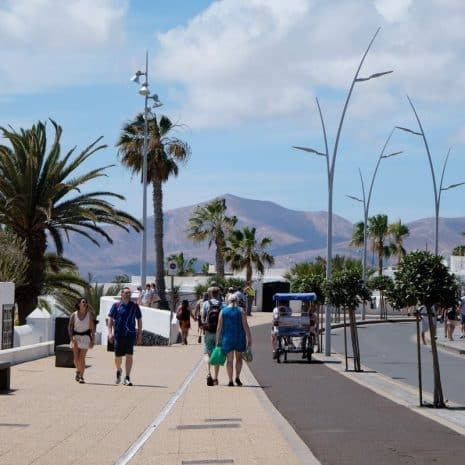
(153, 319)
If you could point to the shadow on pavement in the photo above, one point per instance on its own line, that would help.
(134, 386)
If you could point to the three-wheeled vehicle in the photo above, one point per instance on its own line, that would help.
(294, 332)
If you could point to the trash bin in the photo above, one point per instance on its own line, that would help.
(269, 290)
(61, 331)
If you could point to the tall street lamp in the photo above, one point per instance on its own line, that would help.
(365, 200)
(330, 167)
(437, 192)
(145, 92)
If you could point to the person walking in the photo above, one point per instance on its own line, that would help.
(233, 335)
(249, 292)
(81, 331)
(462, 315)
(122, 330)
(211, 310)
(154, 297)
(183, 315)
(197, 315)
(146, 296)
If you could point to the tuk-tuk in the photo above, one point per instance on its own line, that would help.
(294, 332)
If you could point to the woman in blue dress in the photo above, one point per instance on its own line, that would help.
(233, 335)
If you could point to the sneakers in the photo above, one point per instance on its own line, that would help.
(78, 376)
(81, 380)
(118, 376)
(127, 381)
(230, 383)
(209, 380)
(238, 382)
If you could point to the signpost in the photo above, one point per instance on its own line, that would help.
(172, 271)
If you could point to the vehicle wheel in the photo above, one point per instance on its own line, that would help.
(309, 354)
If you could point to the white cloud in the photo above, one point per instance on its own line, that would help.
(48, 43)
(392, 10)
(243, 59)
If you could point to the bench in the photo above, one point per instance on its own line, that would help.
(5, 376)
(64, 356)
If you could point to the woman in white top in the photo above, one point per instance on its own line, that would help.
(82, 336)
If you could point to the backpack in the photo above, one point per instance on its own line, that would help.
(179, 313)
(213, 314)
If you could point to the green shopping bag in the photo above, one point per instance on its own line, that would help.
(217, 357)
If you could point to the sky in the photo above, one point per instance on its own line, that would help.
(241, 78)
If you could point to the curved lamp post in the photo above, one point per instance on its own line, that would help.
(330, 167)
(144, 91)
(365, 200)
(437, 191)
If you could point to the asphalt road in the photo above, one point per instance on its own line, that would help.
(391, 349)
(344, 423)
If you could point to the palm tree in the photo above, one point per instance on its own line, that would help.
(185, 266)
(357, 235)
(398, 232)
(209, 222)
(13, 260)
(378, 231)
(164, 153)
(245, 251)
(459, 251)
(41, 197)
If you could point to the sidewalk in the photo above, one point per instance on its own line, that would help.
(50, 419)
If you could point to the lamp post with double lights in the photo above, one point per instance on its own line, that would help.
(437, 191)
(365, 200)
(145, 92)
(330, 168)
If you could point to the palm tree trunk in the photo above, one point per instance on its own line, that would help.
(158, 236)
(219, 255)
(248, 273)
(438, 400)
(380, 259)
(27, 295)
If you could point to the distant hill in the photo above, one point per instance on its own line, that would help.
(297, 236)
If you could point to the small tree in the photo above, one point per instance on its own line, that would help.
(346, 290)
(422, 278)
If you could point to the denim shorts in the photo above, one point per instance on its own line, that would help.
(124, 345)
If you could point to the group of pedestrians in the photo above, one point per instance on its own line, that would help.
(148, 297)
(223, 324)
(450, 317)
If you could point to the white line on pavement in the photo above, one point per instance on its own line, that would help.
(140, 441)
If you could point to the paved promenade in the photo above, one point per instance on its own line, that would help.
(168, 417)
(50, 419)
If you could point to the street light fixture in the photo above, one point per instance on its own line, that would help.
(437, 192)
(145, 92)
(330, 168)
(365, 200)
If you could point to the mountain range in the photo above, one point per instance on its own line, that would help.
(296, 236)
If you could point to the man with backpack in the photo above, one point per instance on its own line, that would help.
(122, 329)
(210, 315)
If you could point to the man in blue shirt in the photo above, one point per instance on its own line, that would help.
(122, 329)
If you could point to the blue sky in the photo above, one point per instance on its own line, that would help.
(242, 76)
